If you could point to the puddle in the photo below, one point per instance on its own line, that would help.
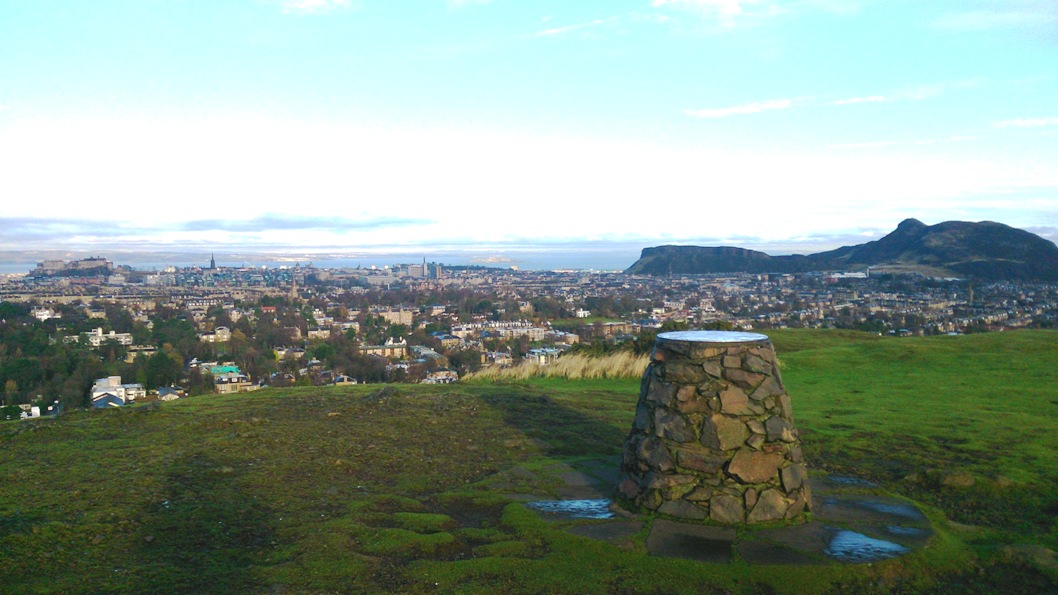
(574, 509)
(907, 531)
(851, 481)
(893, 508)
(849, 546)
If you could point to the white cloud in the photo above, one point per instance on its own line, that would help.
(245, 167)
(868, 99)
(1027, 123)
(726, 8)
(747, 108)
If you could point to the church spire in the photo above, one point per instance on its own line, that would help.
(212, 262)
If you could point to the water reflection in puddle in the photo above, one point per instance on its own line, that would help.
(896, 509)
(850, 481)
(849, 546)
(574, 509)
(907, 531)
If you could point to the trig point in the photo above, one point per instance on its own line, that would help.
(713, 436)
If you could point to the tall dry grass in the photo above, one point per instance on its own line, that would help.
(622, 364)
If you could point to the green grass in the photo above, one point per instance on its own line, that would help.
(394, 489)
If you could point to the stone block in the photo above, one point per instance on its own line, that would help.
(735, 402)
(628, 489)
(769, 387)
(642, 422)
(673, 426)
(756, 441)
(661, 393)
(686, 393)
(779, 430)
(702, 461)
(793, 476)
(726, 509)
(684, 372)
(732, 361)
(771, 506)
(755, 363)
(753, 466)
(713, 368)
(683, 510)
(723, 432)
(747, 380)
(698, 405)
(751, 498)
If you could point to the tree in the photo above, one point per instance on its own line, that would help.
(10, 391)
(162, 370)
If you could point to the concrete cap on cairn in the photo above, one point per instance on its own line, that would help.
(705, 337)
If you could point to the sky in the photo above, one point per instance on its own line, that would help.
(358, 125)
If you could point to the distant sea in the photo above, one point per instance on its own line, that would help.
(597, 257)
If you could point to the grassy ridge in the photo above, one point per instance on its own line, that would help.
(382, 489)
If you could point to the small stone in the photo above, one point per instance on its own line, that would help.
(747, 380)
(754, 363)
(661, 481)
(713, 368)
(771, 506)
(755, 426)
(793, 477)
(661, 393)
(735, 402)
(755, 441)
(684, 372)
(700, 494)
(751, 466)
(686, 393)
(693, 406)
(703, 462)
(629, 489)
(682, 509)
(786, 406)
(673, 426)
(642, 422)
(653, 451)
(723, 432)
(797, 507)
(149, 539)
(726, 509)
(770, 387)
(751, 498)
(778, 430)
(732, 361)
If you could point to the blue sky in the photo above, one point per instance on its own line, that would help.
(784, 125)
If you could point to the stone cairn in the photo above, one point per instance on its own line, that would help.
(713, 436)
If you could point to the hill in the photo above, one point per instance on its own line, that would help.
(985, 250)
(373, 489)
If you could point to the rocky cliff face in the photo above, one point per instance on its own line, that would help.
(986, 250)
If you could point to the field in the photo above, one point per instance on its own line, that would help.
(397, 488)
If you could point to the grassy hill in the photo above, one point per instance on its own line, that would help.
(393, 488)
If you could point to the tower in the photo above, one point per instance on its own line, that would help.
(212, 262)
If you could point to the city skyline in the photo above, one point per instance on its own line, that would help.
(461, 125)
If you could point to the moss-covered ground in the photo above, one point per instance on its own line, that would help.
(392, 488)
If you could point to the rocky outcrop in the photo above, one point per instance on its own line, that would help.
(713, 436)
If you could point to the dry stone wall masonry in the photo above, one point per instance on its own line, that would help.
(713, 436)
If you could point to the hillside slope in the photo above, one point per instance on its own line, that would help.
(985, 250)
